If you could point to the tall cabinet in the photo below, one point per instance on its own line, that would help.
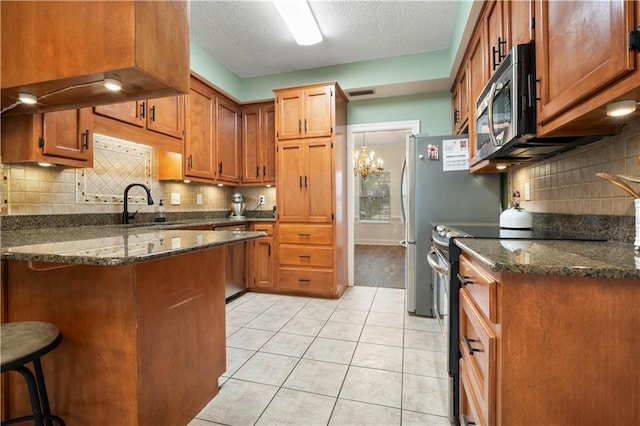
(311, 164)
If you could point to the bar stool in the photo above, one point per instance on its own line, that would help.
(24, 342)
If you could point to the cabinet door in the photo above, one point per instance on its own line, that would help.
(318, 181)
(68, 134)
(268, 145)
(520, 21)
(496, 44)
(291, 192)
(477, 79)
(251, 164)
(571, 66)
(199, 152)
(461, 102)
(290, 112)
(264, 266)
(228, 140)
(166, 116)
(317, 114)
(133, 112)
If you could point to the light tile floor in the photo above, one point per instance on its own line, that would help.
(360, 360)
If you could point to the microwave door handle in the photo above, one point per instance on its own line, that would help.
(492, 135)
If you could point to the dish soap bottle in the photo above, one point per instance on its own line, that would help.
(160, 214)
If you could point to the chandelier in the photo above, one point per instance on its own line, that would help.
(365, 162)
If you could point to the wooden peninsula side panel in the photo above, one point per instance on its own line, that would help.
(144, 344)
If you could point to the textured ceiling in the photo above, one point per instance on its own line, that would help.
(250, 38)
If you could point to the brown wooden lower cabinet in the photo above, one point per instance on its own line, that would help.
(143, 344)
(548, 350)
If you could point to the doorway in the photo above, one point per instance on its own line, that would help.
(375, 256)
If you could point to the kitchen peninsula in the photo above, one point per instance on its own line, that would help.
(142, 313)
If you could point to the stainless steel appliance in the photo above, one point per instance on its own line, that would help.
(430, 194)
(237, 206)
(234, 281)
(506, 114)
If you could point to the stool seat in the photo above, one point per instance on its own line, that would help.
(23, 343)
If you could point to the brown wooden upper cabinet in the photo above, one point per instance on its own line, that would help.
(61, 137)
(212, 145)
(161, 115)
(144, 44)
(461, 104)
(304, 113)
(584, 61)
(258, 143)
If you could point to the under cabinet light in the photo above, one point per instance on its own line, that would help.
(112, 84)
(27, 98)
(501, 166)
(620, 108)
(43, 164)
(300, 21)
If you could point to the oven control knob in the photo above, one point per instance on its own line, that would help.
(440, 228)
(452, 234)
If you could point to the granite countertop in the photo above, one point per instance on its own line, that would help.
(602, 259)
(117, 244)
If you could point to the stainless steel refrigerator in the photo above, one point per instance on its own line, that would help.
(430, 194)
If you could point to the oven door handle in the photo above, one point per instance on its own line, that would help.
(435, 264)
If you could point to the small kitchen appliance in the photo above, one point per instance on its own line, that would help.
(515, 218)
(237, 206)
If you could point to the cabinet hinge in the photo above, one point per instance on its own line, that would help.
(40, 142)
(634, 39)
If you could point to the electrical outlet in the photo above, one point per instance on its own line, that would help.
(199, 199)
(261, 199)
(527, 191)
(175, 198)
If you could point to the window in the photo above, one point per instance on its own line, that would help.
(375, 202)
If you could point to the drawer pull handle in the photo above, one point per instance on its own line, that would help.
(464, 280)
(304, 281)
(466, 421)
(304, 256)
(470, 348)
(302, 234)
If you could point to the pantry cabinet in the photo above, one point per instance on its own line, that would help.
(580, 71)
(62, 138)
(304, 112)
(311, 190)
(261, 258)
(258, 143)
(540, 349)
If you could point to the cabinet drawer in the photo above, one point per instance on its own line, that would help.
(470, 413)
(482, 288)
(308, 280)
(306, 234)
(264, 227)
(478, 347)
(301, 255)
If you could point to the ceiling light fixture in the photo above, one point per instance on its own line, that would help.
(112, 84)
(620, 108)
(27, 98)
(365, 162)
(300, 21)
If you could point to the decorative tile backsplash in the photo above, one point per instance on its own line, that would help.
(118, 163)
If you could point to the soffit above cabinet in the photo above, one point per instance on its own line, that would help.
(61, 52)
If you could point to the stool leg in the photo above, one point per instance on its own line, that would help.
(44, 398)
(33, 394)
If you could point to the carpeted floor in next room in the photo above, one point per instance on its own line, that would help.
(379, 266)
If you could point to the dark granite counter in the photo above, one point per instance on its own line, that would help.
(116, 244)
(602, 259)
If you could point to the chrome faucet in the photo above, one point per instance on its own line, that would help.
(125, 212)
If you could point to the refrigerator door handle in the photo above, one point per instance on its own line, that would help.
(403, 211)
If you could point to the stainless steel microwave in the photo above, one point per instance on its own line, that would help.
(506, 114)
